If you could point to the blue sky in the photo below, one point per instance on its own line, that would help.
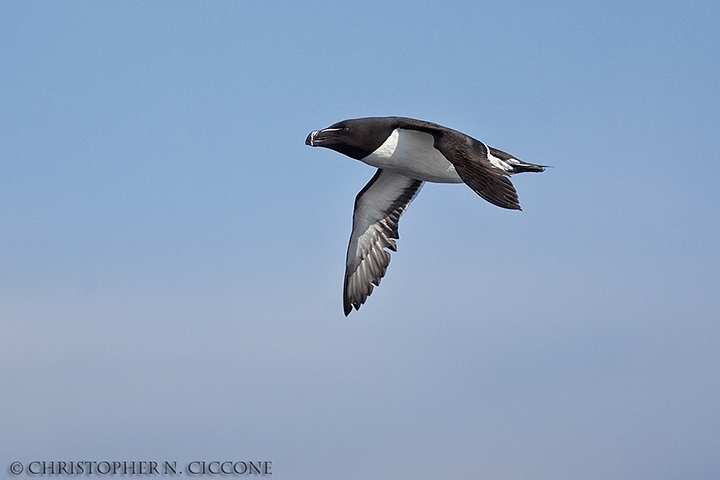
(172, 254)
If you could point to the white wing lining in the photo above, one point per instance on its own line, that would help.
(378, 208)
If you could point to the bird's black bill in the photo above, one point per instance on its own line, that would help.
(311, 138)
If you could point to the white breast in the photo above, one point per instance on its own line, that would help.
(411, 153)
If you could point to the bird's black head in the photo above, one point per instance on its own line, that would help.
(356, 138)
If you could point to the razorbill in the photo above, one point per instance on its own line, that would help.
(407, 152)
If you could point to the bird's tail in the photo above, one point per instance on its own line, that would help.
(518, 166)
(522, 167)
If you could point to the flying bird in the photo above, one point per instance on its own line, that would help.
(407, 152)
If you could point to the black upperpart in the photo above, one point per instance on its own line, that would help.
(360, 137)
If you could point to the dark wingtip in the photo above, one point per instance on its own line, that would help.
(509, 201)
(511, 207)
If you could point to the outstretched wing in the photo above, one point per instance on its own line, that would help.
(472, 160)
(378, 207)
